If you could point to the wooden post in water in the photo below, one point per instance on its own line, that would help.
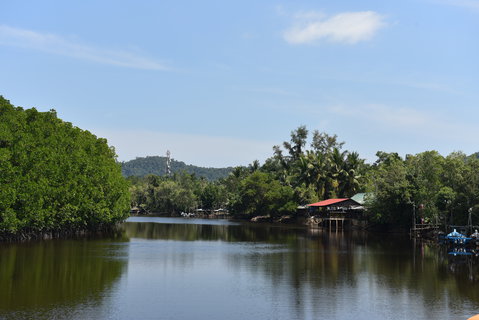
(414, 214)
(469, 221)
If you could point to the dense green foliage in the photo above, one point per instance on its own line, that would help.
(141, 167)
(181, 192)
(302, 176)
(261, 194)
(441, 189)
(321, 172)
(54, 176)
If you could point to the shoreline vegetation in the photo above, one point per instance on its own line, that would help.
(440, 190)
(55, 179)
(58, 180)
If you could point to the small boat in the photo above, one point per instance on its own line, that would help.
(475, 238)
(187, 215)
(475, 235)
(461, 252)
(457, 238)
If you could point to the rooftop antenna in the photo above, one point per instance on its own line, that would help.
(168, 163)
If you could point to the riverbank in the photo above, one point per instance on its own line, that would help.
(292, 219)
(25, 236)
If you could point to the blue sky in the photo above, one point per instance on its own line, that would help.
(220, 82)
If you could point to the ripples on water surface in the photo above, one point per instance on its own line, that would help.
(169, 268)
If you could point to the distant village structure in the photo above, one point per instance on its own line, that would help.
(338, 213)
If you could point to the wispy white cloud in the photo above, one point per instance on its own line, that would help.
(387, 116)
(468, 4)
(409, 121)
(405, 130)
(430, 86)
(347, 27)
(55, 44)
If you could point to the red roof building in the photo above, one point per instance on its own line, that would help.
(328, 202)
(337, 213)
(342, 205)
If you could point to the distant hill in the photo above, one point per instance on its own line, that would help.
(141, 167)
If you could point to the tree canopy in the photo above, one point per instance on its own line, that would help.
(55, 176)
(310, 168)
(440, 189)
(298, 173)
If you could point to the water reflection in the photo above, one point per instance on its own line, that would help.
(211, 232)
(185, 269)
(324, 273)
(49, 279)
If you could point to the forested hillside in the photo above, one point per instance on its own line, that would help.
(54, 176)
(156, 165)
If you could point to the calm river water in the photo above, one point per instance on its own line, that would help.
(168, 268)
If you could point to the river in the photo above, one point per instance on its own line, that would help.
(172, 268)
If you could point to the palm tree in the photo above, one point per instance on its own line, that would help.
(254, 166)
(335, 172)
(352, 168)
(310, 169)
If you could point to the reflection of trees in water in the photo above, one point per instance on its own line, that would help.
(312, 260)
(319, 256)
(306, 257)
(320, 260)
(460, 271)
(425, 268)
(205, 232)
(39, 275)
(313, 266)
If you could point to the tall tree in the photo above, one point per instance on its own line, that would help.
(298, 141)
(353, 167)
(325, 143)
(392, 191)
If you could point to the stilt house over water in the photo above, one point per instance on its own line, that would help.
(337, 213)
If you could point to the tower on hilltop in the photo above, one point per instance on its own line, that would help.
(168, 163)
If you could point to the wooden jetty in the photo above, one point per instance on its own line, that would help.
(422, 229)
(429, 230)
